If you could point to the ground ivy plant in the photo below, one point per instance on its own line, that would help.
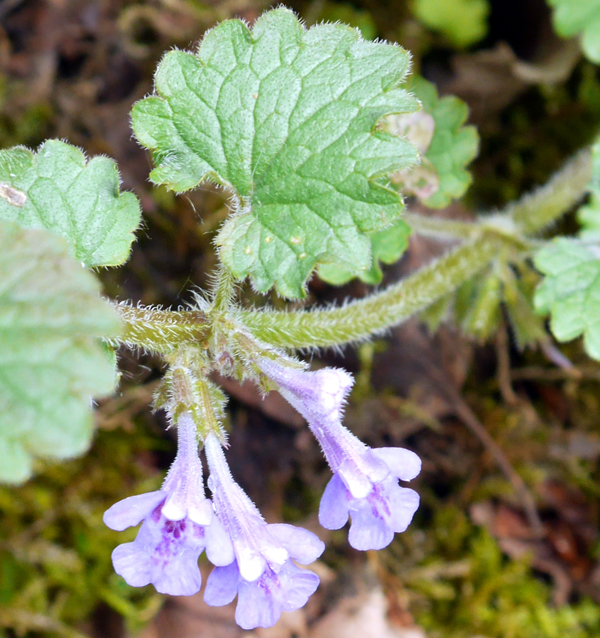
(316, 135)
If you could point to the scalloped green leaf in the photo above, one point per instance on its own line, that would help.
(59, 190)
(570, 291)
(588, 215)
(579, 18)
(51, 358)
(387, 246)
(462, 22)
(285, 118)
(453, 145)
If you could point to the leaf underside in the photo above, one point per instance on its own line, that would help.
(57, 189)
(51, 359)
(285, 118)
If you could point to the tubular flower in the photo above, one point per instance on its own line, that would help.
(178, 524)
(262, 574)
(364, 486)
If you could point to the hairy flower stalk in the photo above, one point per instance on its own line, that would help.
(365, 480)
(262, 575)
(178, 524)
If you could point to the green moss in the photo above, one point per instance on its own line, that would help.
(55, 566)
(462, 586)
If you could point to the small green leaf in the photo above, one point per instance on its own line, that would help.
(463, 22)
(579, 17)
(51, 359)
(452, 145)
(438, 312)
(483, 312)
(57, 189)
(570, 291)
(284, 118)
(504, 289)
(387, 246)
(589, 215)
(527, 327)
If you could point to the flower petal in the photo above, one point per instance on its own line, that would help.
(222, 585)
(219, 549)
(302, 545)
(180, 576)
(133, 564)
(133, 510)
(404, 503)
(368, 530)
(257, 606)
(403, 464)
(333, 511)
(297, 586)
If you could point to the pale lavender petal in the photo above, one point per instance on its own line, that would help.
(219, 549)
(256, 606)
(404, 503)
(297, 585)
(133, 510)
(180, 575)
(222, 585)
(133, 564)
(260, 603)
(368, 530)
(302, 545)
(403, 464)
(333, 511)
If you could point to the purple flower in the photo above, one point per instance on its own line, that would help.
(262, 575)
(365, 481)
(179, 524)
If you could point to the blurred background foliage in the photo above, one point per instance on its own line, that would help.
(506, 543)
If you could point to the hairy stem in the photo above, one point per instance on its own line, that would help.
(442, 228)
(535, 212)
(161, 331)
(224, 290)
(361, 319)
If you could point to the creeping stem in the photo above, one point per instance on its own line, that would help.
(534, 212)
(360, 319)
(442, 228)
(163, 331)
